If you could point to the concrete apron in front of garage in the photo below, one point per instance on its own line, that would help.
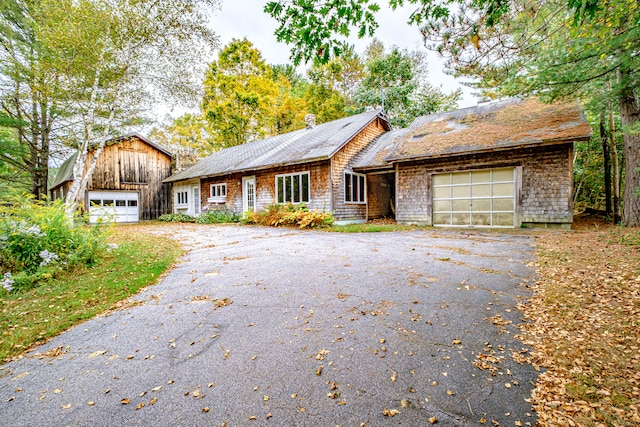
(261, 327)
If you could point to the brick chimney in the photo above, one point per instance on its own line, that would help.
(310, 121)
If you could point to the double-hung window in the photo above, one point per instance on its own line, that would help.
(218, 193)
(183, 197)
(355, 188)
(293, 188)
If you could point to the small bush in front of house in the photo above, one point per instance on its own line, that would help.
(176, 218)
(218, 216)
(289, 215)
(38, 241)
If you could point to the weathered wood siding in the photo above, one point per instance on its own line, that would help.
(340, 163)
(133, 165)
(379, 194)
(266, 187)
(543, 188)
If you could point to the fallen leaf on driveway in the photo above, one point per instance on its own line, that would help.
(97, 353)
(390, 412)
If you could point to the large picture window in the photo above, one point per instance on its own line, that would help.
(355, 188)
(293, 188)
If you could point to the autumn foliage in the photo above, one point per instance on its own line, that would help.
(290, 215)
(585, 328)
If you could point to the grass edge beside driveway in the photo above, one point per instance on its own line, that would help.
(34, 316)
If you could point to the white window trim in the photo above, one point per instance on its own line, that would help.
(364, 190)
(300, 174)
(215, 193)
(186, 202)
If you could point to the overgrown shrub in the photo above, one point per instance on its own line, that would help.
(218, 216)
(37, 241)
(289, 215)
(176, 218)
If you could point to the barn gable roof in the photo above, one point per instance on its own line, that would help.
(65, 173)
(320, 142)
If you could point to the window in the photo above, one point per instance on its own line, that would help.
(355, 188)
(292, 188)
(218, 193)
(183, 197)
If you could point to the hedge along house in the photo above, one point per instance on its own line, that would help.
(126, 184)
(310, 166)
(501, 164)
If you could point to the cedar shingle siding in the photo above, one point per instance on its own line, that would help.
(534, 139)
(543, 184)
(340, 163)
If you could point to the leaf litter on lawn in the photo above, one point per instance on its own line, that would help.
(584, 328)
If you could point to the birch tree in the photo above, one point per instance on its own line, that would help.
(103, 62)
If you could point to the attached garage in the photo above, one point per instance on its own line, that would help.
(114, 206)
(502, 164)
(477, 198)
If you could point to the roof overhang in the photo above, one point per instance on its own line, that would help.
(489, 150)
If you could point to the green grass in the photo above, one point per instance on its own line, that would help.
(32, 317)
(371, 228)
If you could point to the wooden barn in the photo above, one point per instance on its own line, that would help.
(126, 184)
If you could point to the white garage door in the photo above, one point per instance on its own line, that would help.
(482, 198)
(113, 206)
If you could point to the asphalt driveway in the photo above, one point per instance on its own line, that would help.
(259, 326)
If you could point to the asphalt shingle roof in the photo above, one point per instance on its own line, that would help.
(373, 157)
(300, 146)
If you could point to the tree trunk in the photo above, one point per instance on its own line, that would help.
(616, 169)
(607, 164)
(630, 114)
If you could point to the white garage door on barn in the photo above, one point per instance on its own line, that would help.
(479, 198)
(114, 206)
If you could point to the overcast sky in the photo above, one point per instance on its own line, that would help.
(245, 18)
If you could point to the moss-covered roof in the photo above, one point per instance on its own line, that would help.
(493, 126)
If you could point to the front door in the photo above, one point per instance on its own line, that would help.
(248, 194)
(196, 200)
